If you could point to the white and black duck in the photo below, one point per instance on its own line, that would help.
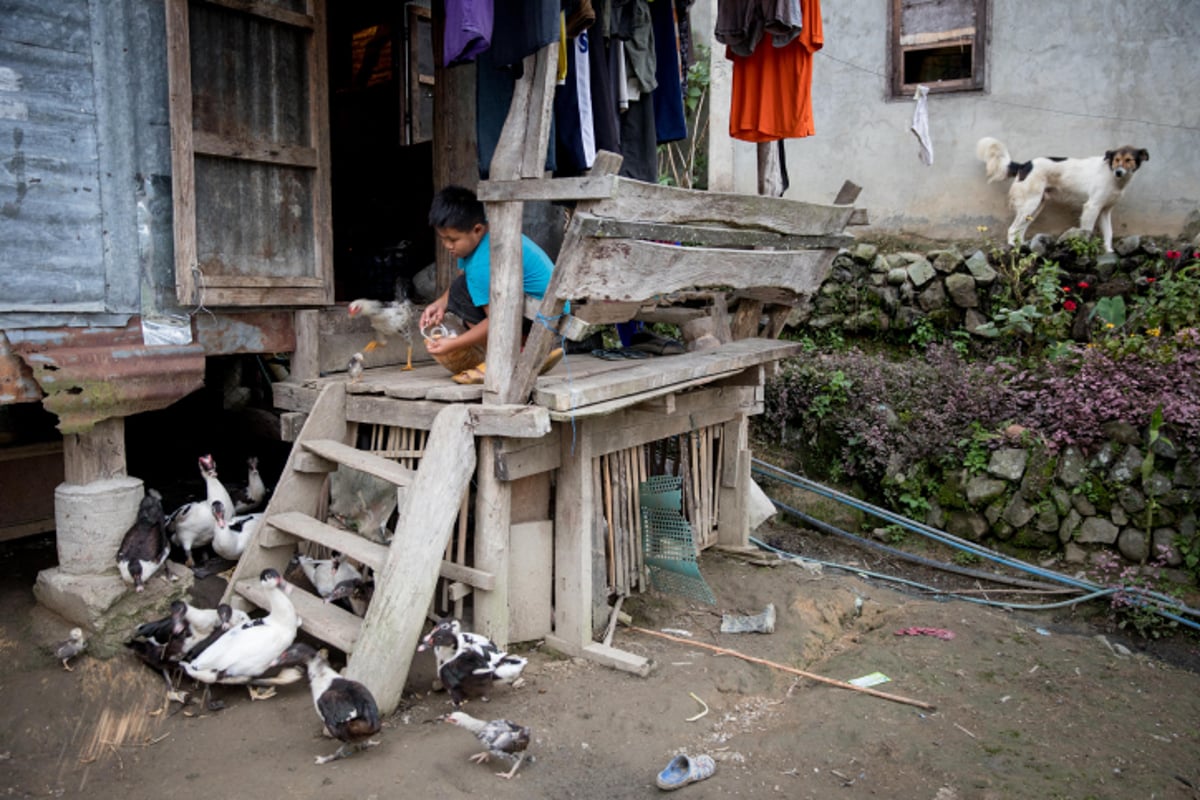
(229, 540)
(243, 654)
(145, 547)
(250, 496)
(347, 708)
(357, 592)
(501, 739)
(469, 663)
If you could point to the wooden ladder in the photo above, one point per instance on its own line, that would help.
(379, 646)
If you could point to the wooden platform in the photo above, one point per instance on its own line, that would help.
(580, 385)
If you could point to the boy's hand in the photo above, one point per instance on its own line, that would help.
(433, 314)
(440, 345)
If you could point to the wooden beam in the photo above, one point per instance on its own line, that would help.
(573, 543)
(710, 235)
(693, 410)
(587, 187)
(647, 269)
(508, 421)
(493, 521)
(603, 654)
(393, 623)
(520, 459)
(639, 401)
(733, 514)
(307, 355)
(97, 455)
(847, 194)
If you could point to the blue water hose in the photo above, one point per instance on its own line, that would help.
(1093, 590)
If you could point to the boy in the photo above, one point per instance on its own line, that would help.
(458, 217)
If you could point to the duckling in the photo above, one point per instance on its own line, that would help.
(145, 547)
(346, 708)
(72, 646)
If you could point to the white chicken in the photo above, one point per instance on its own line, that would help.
(396, 318)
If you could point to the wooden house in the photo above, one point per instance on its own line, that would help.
(230, 235)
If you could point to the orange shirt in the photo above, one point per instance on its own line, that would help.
(772, 88)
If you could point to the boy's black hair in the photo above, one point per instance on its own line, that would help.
(456, 208)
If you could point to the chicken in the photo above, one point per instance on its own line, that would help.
(72, 646)
(249, 497)
(354, 369)
(503, 739)
(395, 318)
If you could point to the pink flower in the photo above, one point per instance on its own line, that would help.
(1066, 289)
(1083, 284)
(1173, 254)
(1150, 280)
(1196, 254)
(1069, 305)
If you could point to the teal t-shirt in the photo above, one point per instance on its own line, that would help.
(536, 266)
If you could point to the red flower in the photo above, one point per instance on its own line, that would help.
(1196, 254)
(1069, 305)
(1149, 280)
(1066, 289)
(1083, 284)
(1173, 254)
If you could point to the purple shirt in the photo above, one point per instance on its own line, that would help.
(468, 30)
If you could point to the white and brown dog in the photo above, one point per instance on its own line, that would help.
(1094, 183)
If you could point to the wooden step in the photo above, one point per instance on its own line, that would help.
(360, 460)
(328, 622)
(295, 524)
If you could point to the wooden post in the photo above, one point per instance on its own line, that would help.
(573, 543)
(306, 358)
(392, 626)
(493, 514)
(96, 455)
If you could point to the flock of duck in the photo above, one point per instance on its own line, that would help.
(226, 646)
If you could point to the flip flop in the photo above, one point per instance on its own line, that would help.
(472, 376)
(608, 355)
(684, 769)
(633, 353)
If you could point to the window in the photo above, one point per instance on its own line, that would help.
(938, 43)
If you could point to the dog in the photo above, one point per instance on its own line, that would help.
(1094, 183)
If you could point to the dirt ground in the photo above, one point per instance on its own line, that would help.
(1026, 706)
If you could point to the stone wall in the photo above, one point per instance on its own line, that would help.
(1067, 503)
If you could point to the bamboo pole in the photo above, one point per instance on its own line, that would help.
(784, 668)
(608, 513)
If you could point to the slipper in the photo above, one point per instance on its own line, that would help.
(469, 377)
(608, 355)
(552, 359)
(683, 770)
(633, 353)
(654, 344)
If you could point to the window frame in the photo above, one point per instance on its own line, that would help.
(901, 42)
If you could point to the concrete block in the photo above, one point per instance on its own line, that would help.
(91, 519)
(82, 599)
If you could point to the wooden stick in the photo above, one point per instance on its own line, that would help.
(819, 678)
(612, 620)
(608, 513)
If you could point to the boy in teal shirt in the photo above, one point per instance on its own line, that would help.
(460, 221)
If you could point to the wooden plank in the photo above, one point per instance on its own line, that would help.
(347, 542)
(213, 144)
(451, 392)
(521, 459)
(587, 187)
(540, 110)
(601, 313)
(711, 235)
(361, 460)
(326, 621)
(746, 319)
(480, 579)
(493, 522)
(312, 463)
(649, 202)
(603, 654)
(269, 11)
(658, 373)
(183, 166)
(214, 282)
(295, 491)
(648, 269)
(631, 428)
(641, 401)
(290, 423)
(531, 579)
(509, 421)
(406, 585)
(847, 194)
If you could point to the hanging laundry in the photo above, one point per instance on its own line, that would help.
(468, 30)
(574, 128)
(670, 124)
(603, 71)
(741, 24)
(772, 87)
(920, 125)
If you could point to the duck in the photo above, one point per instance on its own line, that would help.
(204, 621)
(501, 738)
(469, 663)
(193, 524)
(250, 496)
(326, 573)
(199, 638)
(73, 645)
(358, 592)
(145, 546)
(347, 708)
(447, 639)
(161, 643)
(229, 541)
(216, 490)
(243, 655)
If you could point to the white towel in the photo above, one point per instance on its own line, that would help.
(920, 125)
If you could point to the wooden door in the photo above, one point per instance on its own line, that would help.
(250, 152)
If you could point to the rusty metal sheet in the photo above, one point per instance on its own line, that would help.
(252, 332)
(16, 379)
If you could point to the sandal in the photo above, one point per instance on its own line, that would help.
(472, 376)
(608, 355)
(684, 769)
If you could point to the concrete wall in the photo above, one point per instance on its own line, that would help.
(1069, 79)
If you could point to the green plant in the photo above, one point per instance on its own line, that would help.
(975, 449)
(1111, 311)
(685, 163)
(834, 393)
(1131, 603)
(965, 558)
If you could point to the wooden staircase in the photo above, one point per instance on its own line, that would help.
(379, 646)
